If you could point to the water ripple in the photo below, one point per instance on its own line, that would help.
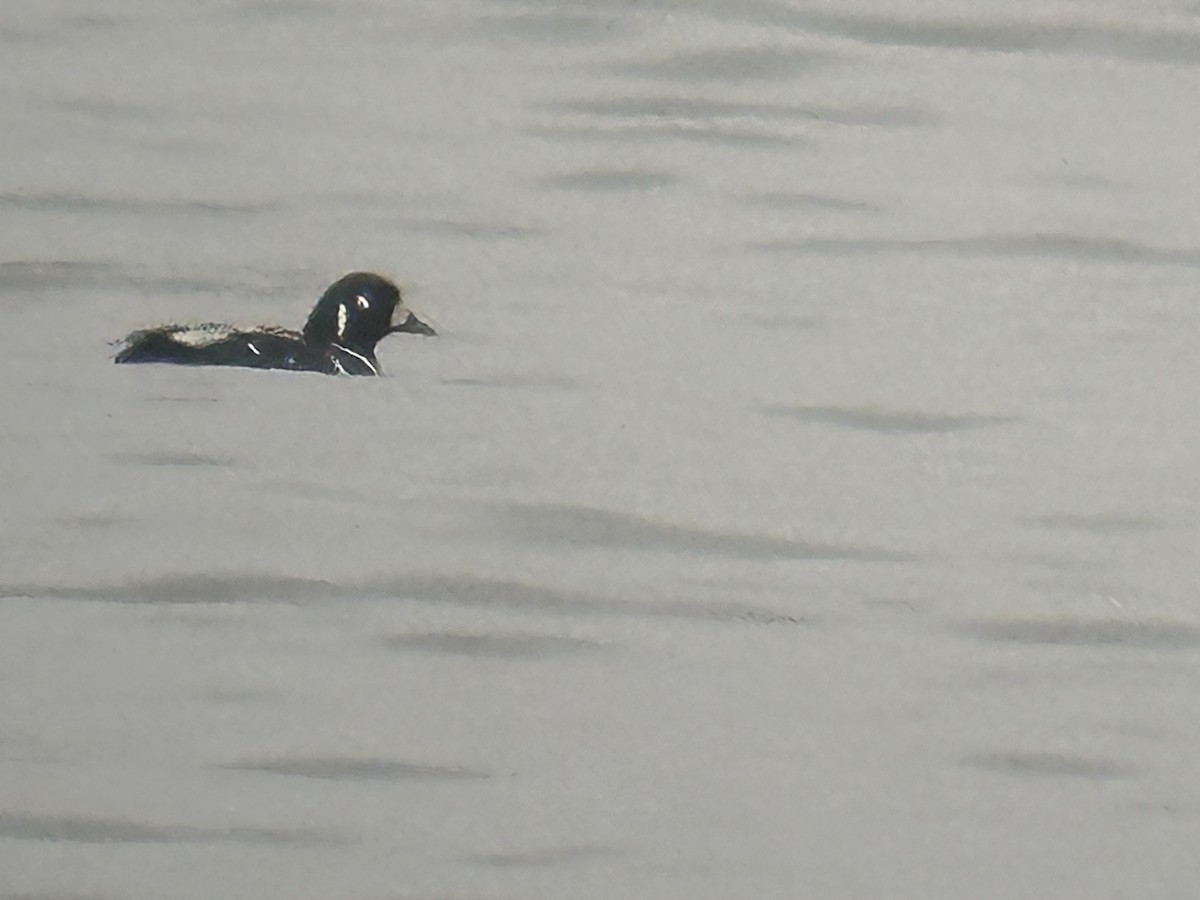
(1079, 632)
(588, 526)
(94, 830)
(1048, 245)
(1008, 36)
(342, 768)
(499, 646)
(462, 590)
(887, 421)
(1050, 764)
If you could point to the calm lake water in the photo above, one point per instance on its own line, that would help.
(800, 499)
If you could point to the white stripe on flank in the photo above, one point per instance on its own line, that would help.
(253, 349)
(366, 362)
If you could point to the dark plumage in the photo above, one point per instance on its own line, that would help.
(339, 338)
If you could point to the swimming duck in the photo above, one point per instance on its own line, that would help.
(352, 316)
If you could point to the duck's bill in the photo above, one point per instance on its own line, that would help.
(412, 325)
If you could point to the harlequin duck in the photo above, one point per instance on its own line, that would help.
(339, 338)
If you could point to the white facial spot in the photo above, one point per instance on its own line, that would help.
(341, 332)
(363, 302)
(253, 349)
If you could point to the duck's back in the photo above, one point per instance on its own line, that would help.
(211, 344)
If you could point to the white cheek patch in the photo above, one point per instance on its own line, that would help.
(363, 302)
(341, 332)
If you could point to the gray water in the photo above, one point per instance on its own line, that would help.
(799, 501)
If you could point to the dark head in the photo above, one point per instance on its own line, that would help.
(358, 310)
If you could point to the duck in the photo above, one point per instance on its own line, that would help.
(351, 317)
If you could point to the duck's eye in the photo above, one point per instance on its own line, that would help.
(363, 302)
